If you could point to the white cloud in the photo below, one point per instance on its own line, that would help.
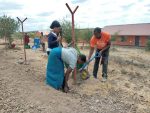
(91, 13)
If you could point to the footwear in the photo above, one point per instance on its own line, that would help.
(104, 79)
(95, 77)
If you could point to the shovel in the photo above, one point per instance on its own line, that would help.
(98, 54)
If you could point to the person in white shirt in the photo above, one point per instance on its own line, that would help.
(55, 75)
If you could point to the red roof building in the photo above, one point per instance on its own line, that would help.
(129, 34)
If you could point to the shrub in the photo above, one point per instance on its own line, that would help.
(148, 45)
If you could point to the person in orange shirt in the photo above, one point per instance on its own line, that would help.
(101, 41)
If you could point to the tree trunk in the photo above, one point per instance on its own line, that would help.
(6, 46)
(21, 41)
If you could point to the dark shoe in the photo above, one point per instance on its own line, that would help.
(104, 79)
(66, 89)
(95, 77)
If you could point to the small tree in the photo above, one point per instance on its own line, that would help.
(148, 45)
(32, 35)
(67, 31)
(88, 34)
(114, 36)
(17, 35)
(8, 27)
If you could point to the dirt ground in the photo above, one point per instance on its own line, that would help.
(23, 88)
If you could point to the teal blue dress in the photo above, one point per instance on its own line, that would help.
(55, 69)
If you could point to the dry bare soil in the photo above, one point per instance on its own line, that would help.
(23, 88)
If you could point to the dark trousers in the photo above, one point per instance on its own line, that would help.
(104, 63)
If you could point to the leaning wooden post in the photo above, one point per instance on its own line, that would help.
(73, 32)
(25, 58)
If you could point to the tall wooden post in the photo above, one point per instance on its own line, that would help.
(25, 58)
(73, 32)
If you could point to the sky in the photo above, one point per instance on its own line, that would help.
(90, 13)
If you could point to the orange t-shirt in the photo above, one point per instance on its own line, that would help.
(102, 42)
